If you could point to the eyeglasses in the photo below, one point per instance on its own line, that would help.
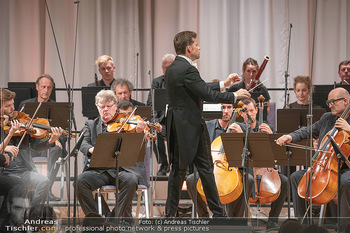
(105, 106)
(332, 102)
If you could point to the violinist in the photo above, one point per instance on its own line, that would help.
(44, 85)
(106, 68)
(238, 127)
(338, 101)
(215, 128)
(250, 69)
(91, 179)
(22, 165)
(10, 186)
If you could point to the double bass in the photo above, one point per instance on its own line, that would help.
(266, 180)
(228, 179)
(325, 167)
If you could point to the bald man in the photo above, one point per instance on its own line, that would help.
(338, 101)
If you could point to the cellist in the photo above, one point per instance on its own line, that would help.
(215, 128)
(338, 101)
(276, 206)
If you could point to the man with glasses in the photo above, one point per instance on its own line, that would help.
(92, 179)
(338, 102)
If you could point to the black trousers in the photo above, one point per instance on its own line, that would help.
(204, 165)
(90, 180)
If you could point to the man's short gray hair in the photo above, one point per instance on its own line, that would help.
(105, 96)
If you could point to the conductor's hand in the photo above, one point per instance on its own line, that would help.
(232, 79)
(284, 139)
(242, 93)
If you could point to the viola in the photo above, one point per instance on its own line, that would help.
(39, 128)
(325, 168)
(228, 179)
(266, 180)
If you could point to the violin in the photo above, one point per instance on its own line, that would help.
(124, 123)
(39, 128)
(228, 179)
(266, 180)
(325, 168)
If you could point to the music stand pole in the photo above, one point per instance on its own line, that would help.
(245, 165)
(116, 156)
(340, 157)
(289, 154)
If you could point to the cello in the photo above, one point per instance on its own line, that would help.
(325, 168)
(266, 180)
(228, 179)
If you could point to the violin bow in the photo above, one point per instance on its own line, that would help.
(30, 124)
(127, 119)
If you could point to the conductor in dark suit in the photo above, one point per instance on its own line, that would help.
(187, 134)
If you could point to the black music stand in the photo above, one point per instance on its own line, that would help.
(258, 153)
(26, 90)
(117, 149)
(57, 113)
(322, 91)
(144, 112)
(261, 154)
(160, 99)
(289, 120)
(88, 94)
(288, 156)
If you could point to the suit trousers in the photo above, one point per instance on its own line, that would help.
(40, 185)
(91, 180)
(52, 168)
(204, 165)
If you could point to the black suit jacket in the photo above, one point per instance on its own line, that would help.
(93, 129)
(186, 91)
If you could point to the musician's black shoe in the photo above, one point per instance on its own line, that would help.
(53, 197)
(272, 226)
(163, 169)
